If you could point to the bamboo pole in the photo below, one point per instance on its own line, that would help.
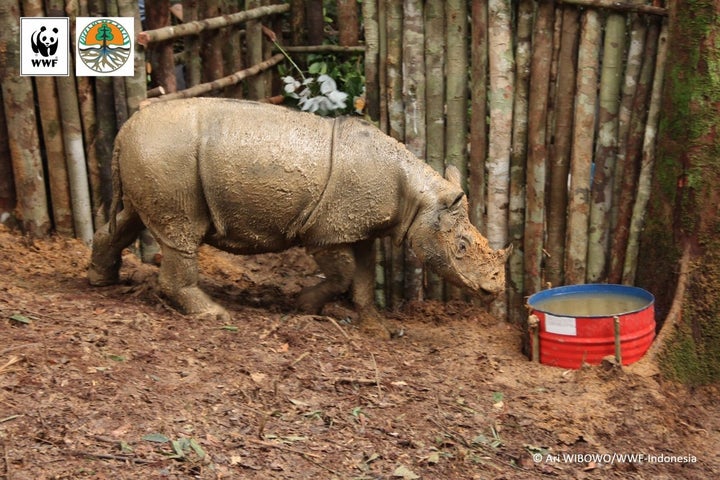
(516, 214)
(435, 105)
(648, 160)
(612, 66)
(537, 148)
(560, 156)
(17, 95)
(414, 99)
(193, 28)
(582, 149)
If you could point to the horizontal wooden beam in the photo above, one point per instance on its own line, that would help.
(619, 6)
(218, 84)
(193, 28)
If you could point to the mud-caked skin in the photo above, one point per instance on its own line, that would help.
(248, 177)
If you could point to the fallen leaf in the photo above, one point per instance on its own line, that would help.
(20, 319)
(156, 438)
(404, 472)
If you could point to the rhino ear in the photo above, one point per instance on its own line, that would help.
(452, 175)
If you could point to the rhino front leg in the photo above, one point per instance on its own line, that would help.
(178, 281)
(363, 291)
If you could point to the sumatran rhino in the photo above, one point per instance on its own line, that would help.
(249, 178)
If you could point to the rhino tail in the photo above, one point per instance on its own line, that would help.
(116, 188)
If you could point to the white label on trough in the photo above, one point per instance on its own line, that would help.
(560, 325)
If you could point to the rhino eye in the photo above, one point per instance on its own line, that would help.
(462, 247)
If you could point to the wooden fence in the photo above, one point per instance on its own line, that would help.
(548, 108)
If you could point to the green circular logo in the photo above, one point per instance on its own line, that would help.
(104, 45)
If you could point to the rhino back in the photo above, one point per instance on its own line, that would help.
(255, 171)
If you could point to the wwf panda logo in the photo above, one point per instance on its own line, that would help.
(44, 41)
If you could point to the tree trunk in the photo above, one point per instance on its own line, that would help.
(601, 201)
(583, 137)
(414, 100)
(396, 128)
(254, 42)
(232, 50)
(518, 157)
(160, 54)
(478, 119)
(372, 42)
(348, 25)
(52, 140)
(17, 94)
(211, 51)
(315, 21)
(683, 213)
(501, 68)
(135, 86)
(7, 189)
(435, 105)
(193, 66)
(631, 155)
(560, 157)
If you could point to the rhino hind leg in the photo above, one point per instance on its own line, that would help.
(107, 249)
(338, 266)
(178, 281)
(345, 266)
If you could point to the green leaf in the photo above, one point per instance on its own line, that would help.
(116, 358)
(125, 447)
(20, 319)
(156, 438)
(179, 447)
(197, 448)
(229, 328)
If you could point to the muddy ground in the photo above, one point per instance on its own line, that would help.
(112, 383)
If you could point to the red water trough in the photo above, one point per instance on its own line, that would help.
(585, 323)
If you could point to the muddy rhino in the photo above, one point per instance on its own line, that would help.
(249, 178)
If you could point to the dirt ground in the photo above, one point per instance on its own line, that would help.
(112, 383)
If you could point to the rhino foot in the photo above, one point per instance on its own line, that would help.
(103, 276)
(372, 324)
(196, 303)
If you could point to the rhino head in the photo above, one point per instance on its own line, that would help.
(442, 236)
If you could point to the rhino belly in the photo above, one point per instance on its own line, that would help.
(260, 194)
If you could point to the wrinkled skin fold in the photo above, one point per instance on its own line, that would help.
(249, 178)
